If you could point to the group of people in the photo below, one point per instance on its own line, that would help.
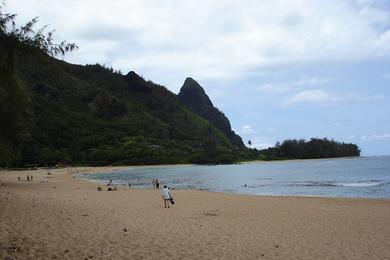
(155, 183)
(29, 178)
(166, 191)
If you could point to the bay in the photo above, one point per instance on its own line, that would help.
(363, 177)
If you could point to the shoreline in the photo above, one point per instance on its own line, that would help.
(177, 165)
(78, 172)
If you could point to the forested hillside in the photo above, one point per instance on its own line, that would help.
(52, 111)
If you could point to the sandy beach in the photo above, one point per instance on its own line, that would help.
(60, 216)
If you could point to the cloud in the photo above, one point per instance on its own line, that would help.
(315, 95)
(324, 97)
(247, 129)
(375, 137)
(358, 98)
(285, 87)
(217, 39)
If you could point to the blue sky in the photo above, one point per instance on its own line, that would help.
(277, 69)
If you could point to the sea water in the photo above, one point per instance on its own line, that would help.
(364, 177)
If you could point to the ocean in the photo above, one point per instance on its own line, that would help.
(364, 177)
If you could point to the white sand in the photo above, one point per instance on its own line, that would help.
(66, 218)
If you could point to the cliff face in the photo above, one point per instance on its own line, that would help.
(193, 96)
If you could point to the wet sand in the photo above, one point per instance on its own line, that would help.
(60, 216)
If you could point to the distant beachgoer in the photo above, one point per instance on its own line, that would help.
(99, 188)
(109, 183)
(157, 184)
(109, 189)
(154, 183)
(166, 196)
(18, 178)
(129, 185)
(245, 185)
(28, 177)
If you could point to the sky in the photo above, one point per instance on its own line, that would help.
(277, 69)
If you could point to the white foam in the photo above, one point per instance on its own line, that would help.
(362, 184)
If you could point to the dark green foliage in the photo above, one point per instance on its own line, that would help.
(193, 96)
(315, 148)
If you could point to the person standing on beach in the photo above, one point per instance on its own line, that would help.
(154, 183)
(157, 184)
(166, 196)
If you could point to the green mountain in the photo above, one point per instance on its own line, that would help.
(52, 111)
(193, 96)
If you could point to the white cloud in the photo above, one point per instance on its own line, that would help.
(375, 137)
(247, 129)
(358, 98)
(324, 97)
(305, 96)
(218, 39)
(285, 87)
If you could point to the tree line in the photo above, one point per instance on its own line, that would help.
(312, 149)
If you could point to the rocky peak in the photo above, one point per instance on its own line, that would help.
(192, 94)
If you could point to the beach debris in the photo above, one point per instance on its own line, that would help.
(13, 249)
(85, 215)
(211, 213)
(277, 246)
(66, 251)
(124, 229)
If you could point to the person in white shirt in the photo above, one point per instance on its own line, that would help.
(166, 196)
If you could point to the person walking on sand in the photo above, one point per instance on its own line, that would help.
(166, 196)
(154, 183)
(157, 184)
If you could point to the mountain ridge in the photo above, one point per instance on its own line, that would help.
(93, 115)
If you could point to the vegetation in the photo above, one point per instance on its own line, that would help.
(53, 112)
(194, 98)
(315, 148)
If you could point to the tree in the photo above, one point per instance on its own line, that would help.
(27, 36)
